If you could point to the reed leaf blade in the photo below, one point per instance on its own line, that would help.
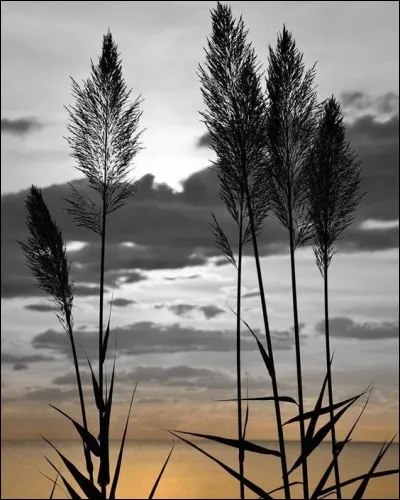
(246, 445)
(155, 486)
(86, 486)
(252, 486)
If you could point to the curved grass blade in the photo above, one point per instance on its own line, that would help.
(104, 469)
(253, 487)
(267, 360)
(105, 342)
(54, 486)
(246, 445)
(383, 473)
(71, 491)
(311, 443)
(107, 333)
(282, 399)
(86, 436)
(246, 418)
(294, 483)
(318, 405)
(153, 490)
(121, 450)
(96, 388)
(55, 483)
(322, 411)
(368, 476)
(347, 439)
(84, 483)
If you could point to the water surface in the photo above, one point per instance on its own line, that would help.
(189, 474)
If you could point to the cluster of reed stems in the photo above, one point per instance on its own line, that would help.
(278, 151)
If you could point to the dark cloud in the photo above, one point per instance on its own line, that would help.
(45, 395)
(203, 141)
(41, 307)
(248, 295)
(88, 291)
(9, 358)
(170, 230)
(122, 302)
(181, 309)
(178, 278)
(70, 378)
(177, 376)
(211, 311)
(147, 337)
(20, 366)
(360, 101)
(20, 126)
(342, 327)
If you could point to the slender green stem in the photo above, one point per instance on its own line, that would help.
(330, 385)
(285, 476)
(298, 357)
(238, 355)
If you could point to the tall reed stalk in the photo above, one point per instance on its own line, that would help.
(104, 140)
(334, 177)
(236, 123)
(291, 108)
(46, 257)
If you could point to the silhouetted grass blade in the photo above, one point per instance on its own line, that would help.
(294, 483)
(153, 490)
(71, 491)
(346, 440)
(86, 486)
(246, 418)
(283, 399)
(253, 487)
(121, 451)
(318, 405)
(322, 411)
(368, 476)
(105, 342)
(104, 470)
(246, 445)
(267, 360)
(53, 482)
(86, 436)
(311, 443)
(96, 389)
(383, 473)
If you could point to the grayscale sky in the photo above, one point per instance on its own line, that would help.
(176, 334)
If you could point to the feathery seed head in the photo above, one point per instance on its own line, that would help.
(45, 254)
(334, 177)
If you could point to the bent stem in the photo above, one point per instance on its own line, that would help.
(281, 437)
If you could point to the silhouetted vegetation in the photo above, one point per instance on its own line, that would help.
(278, 151)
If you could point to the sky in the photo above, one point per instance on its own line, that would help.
(176, 334)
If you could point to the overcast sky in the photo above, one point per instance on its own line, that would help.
(175, 331)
